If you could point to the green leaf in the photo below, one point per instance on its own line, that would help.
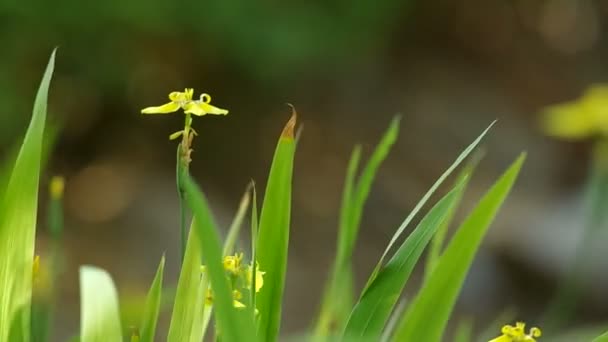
(18, 219)
(337, 300)
(99, 315)
(601, 338)
(331, 306)
(425, 198)
(438, 239)
(427, 316)
(373, 310)
(273, 239)
(231, 325)
(237, 222)
(150, 318)
(254, 239)
(187, 318)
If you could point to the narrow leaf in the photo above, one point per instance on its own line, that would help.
(427, 316)
(237, 222)
(99, 315)
(426, 197)
(18, 219)
(273, 239)
(150, 318)
(437, 242)
(231, 325)
(373, 310)
(187, 321)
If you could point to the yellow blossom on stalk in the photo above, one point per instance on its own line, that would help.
(259, 277)
(517, 333)
(232, 263)
(184, 101)
(240, 277)
(584, 117)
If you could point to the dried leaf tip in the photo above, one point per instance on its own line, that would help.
(288, 131)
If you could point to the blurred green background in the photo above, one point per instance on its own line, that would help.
(450, 68)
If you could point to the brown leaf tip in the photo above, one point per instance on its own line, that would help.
(288, 131)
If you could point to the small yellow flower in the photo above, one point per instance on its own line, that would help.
(56, 187)
(232, 263)
(184, 101)
(259, 277)
(517, 333)
(581, 118)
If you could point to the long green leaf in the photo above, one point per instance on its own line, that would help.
(601, 338)
(436, 245)
(99, 315)
(150, 318)
(232, 325)
(373, 310)
(237, 222)
(187, 318)
(427, 316)
(337, 300)
(425, 198)
(18, 219)
(330, 305)
(273, 239)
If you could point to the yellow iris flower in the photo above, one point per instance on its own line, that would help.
(259, 277)
(232, 263)
(199, 107)
(240, 276)
(517, 333)
(581, 118)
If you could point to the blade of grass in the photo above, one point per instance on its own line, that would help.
(254, 239)
(99, 315)
(373, 309)
(186, 321)
(231, 238)
(232, 325)
(601, 338)
(237, 222)
(328, 312)
(338, 299)
(427, 316)
(273, 238)
(18, 218)
(152, 308)
(425, 198)
(438, 239)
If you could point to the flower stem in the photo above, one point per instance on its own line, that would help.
(182, 170)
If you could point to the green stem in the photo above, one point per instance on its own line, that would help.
(181, 171)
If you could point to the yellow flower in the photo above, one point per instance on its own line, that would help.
(517, 333)
(236, 297)
(232, 263)
(184, 101)
(581, 118)
(56, 187)
(259, 277)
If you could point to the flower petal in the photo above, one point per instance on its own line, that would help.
(164, 109)
(200, 108)
(569, 121)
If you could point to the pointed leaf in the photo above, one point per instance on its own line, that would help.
(18, 209)
(148, 325)
(373, 310)
(427, 316)
(273, 239)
